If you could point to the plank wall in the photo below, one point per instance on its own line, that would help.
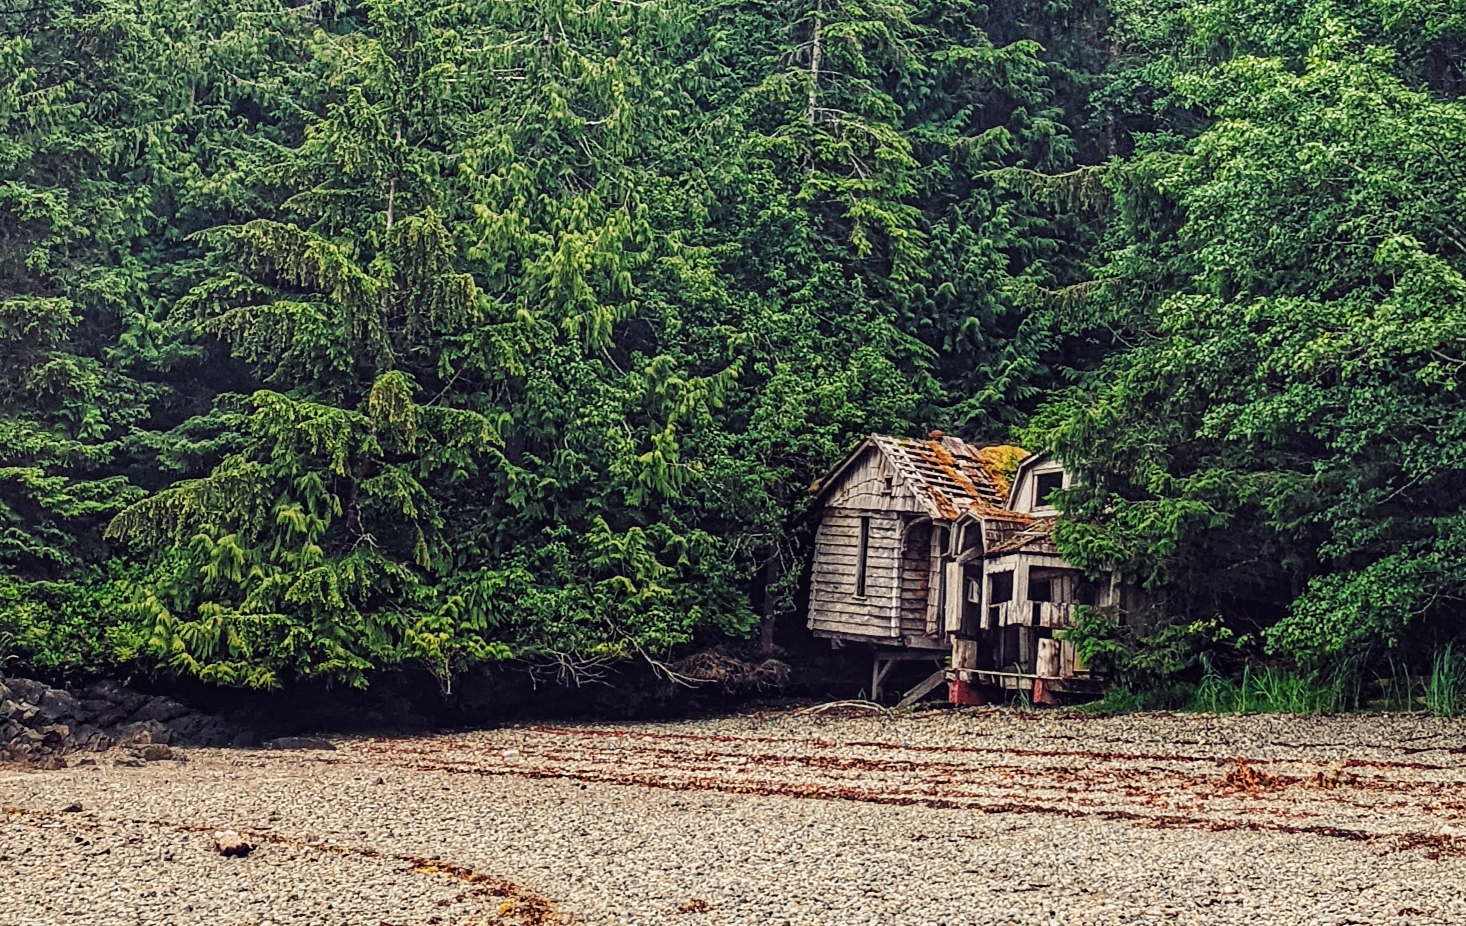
(833, 604)
(916, 562)
(870, 485)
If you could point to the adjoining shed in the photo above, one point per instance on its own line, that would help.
(930, 549)
(1027, 593)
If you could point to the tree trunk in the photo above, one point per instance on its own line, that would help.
(816, 53)
(770, 606)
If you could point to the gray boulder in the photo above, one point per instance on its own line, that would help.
(160, 709)
(25, 689)
(56, 705)
(40, 724)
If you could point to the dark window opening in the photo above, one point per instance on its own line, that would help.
(1000, 587)
(1040, 589)
(971, 537)
(1045, 485)
(1086, 594)
(862, 558)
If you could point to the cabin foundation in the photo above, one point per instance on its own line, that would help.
(884, 661)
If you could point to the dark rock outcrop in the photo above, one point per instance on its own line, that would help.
(40, 724)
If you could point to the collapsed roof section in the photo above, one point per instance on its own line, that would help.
(947, 475)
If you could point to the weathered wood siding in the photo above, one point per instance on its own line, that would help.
(871, 485)
(1018, 634)
(833, 605)
(916, 579)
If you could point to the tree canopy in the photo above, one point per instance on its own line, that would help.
(336, 337)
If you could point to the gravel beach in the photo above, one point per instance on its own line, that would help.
(979, 816)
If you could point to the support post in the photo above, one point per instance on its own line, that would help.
(964, 694)
(879, 670)
(1041, 693)
(928, 685)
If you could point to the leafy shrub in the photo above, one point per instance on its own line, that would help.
(1148, 650)
(65, 628)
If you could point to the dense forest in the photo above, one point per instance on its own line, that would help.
(337, 337)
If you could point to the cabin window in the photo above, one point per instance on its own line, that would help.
(1087, 594)
(1040, 589)
(862, 557)
(971, 537)
(1044, 485)
(1000, 587)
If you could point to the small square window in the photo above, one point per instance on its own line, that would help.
(1000, 585)
(1044, 485)
(1040, 590)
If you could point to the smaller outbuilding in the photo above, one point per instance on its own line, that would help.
(885, 538)
(1023, 595)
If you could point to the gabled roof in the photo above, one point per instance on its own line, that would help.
(1026, 463)
(948, 476)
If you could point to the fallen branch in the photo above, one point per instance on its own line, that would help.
(836, 705)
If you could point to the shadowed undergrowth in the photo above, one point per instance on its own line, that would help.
(1440, 692)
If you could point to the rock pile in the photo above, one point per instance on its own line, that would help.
(41, 723)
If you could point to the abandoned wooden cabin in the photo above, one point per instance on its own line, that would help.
(937, 549)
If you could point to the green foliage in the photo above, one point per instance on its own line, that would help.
(1120, 698)
(64, 628)
(1445, 689)
(338, 337)
(394, 332)
(1278, 441)
(1145, 649)
(1269, 690)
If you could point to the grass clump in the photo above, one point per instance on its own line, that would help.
(1445, 687)
(1121, 699)
(1269, 690)
(1278, 690)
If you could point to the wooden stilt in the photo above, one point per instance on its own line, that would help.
(922, 690)
(1041, 693)
(878, 673)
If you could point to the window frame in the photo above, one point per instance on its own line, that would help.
(1040, 496)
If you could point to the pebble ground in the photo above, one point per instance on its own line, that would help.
(986, 816)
